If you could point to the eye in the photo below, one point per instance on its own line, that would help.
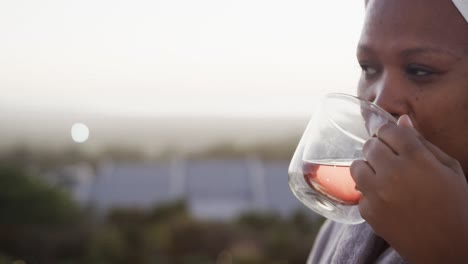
(418, 70)
(368, 70)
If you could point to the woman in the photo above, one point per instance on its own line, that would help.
(414, 59)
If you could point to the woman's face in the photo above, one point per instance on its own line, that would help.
(414, 59)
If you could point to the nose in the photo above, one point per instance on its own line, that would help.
(389, 93)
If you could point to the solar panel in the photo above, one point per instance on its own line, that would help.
(132, 185)
(213, 188)
(280, 197)
(218, 178)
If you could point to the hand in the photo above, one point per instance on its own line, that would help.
(414, 195)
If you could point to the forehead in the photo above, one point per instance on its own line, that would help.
(414, 22)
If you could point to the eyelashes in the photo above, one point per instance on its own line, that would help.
(369, 71)
(412, 71)
(417, 70)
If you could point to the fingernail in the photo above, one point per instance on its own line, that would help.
(409, 121)
(405, 120)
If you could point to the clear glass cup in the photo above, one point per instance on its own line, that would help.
(319, 174)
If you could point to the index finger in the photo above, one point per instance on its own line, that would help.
(401, 140)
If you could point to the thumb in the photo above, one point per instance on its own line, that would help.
(405, 121)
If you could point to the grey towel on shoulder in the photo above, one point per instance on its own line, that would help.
(356, 244)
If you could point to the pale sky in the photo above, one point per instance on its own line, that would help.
(160, 57)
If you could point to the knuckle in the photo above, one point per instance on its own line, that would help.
(385, 128)
(356, 169)
(410, 148)
(411, 145)
(369, 143)
(369, 146)
(384, 195)
(365, 209)
(453, 163)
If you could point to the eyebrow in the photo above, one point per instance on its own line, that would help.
(414, 51)
(422, 50)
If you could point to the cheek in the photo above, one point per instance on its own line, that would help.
(446, 126)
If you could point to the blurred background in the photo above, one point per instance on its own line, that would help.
(161, 131)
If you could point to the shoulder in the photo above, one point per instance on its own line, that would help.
(340, 243)
(326, 242)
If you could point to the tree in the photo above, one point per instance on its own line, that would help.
(38, 222)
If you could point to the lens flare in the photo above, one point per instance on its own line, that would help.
(79, 133)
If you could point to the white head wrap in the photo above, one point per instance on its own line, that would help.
(462, 6)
